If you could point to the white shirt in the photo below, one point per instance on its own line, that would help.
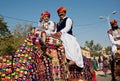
(68, 25)
(49, 27)
(72, 47)
(113, 41)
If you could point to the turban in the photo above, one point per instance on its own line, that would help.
(113, 22)
(61, 9)
(45, 13)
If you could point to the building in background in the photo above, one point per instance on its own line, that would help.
(86, 52)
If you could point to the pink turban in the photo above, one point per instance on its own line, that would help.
(45, 13)
(113, 22)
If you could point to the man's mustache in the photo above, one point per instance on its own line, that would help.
(61, 14)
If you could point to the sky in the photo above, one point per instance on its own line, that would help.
(85, 14)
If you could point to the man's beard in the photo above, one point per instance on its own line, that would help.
(114, 28)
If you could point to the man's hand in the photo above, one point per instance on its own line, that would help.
(41, 18)
(56, 35)
(118, 46)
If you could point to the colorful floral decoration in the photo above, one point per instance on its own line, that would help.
(5, 68)
(38, 61)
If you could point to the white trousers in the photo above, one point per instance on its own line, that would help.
(72, 49)
(114, 49)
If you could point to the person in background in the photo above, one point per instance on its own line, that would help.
(64, 32)
(93, 74)
(105, 66)
(46, 26)
(100, 61)
(95, 64)
(112, 65)
(114, 35)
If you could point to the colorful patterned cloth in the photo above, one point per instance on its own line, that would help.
(35, 61)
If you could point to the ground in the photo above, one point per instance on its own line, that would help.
(101, 77)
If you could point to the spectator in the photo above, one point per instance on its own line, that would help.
(95, 64)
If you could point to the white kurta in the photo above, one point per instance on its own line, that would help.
(114, 42)
(72, 49)
(49, 27)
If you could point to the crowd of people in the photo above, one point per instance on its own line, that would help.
(112, 63)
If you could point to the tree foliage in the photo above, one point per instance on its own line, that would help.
(5, 36)
(108, 50)
(10, 42)
(3, 28)
(19, 34)
(95, 48)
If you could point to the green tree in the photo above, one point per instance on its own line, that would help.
(5, 36)
(95, 48)
(10, 42)
(19, 34)
(3, 28)
(108, 50)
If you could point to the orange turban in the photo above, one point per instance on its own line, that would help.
(45, 13)
(61, 9)
(113, 22)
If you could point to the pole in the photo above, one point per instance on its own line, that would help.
(108, 18)
(108, 21)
